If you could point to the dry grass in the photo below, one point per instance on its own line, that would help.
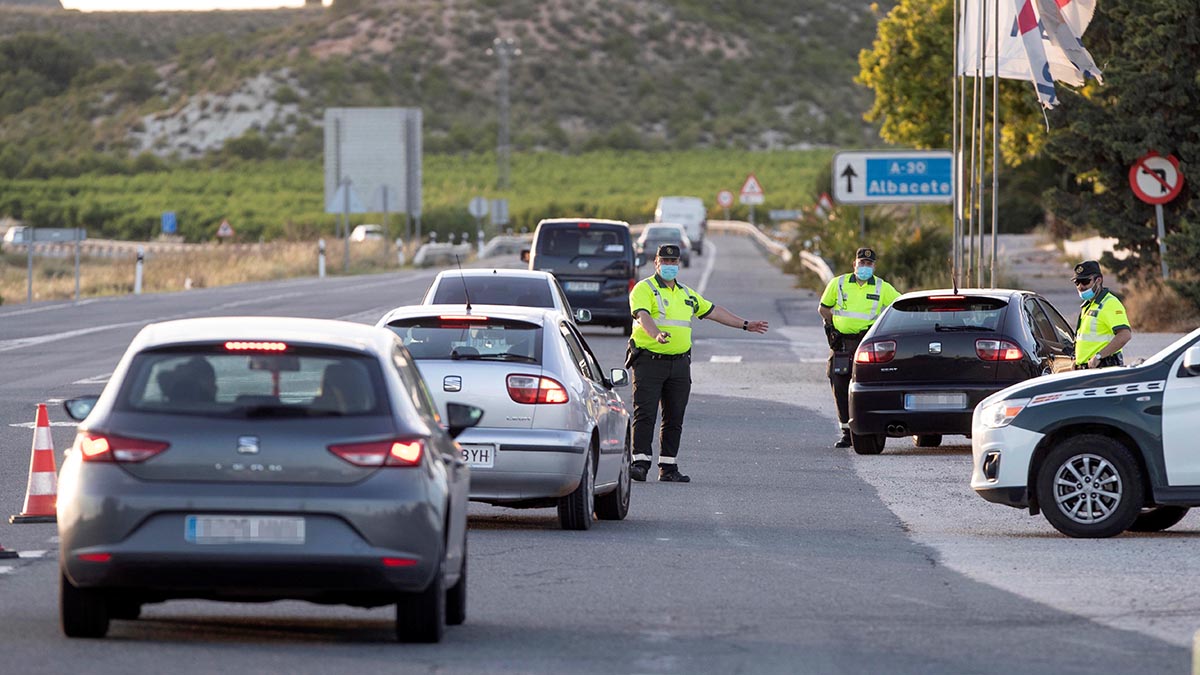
(54, 278)
(1154, 307)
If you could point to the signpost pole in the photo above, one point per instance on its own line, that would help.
(29, 232)
(137, 274)
(752, 214)
(1162, 239)
(77, 246)
(387, 236)
(346, 226)
(862, 223)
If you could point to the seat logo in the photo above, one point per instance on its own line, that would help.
(247, 445)
(935, 348)
(452, 383)
(583, 264)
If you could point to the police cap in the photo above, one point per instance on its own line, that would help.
(1087, 269)
(865, 254)
(668, 251)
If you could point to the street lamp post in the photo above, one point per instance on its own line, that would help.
(504, 49)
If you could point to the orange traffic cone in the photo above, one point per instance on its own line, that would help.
(42, 491)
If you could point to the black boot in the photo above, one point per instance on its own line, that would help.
(672, 475)
(844, 441)
(637, 471)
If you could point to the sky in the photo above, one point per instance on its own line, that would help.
(175, 5)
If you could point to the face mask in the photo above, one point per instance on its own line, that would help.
(864, 272)
(1087, 295)
(668, 272)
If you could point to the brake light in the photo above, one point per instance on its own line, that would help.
(532, 389)
(632, 283)
(584, 225)
(397, 452)
(464, 317)
(876, 352)
(255, 346)
(399, 562)
(95, 557)
(94, 447)
(937, 298)
(998, 350)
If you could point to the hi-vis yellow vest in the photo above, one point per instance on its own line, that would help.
(672, 310)
(856, 307)
(1099, 319)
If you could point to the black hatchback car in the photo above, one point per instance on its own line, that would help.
(933, 355)
(593, 260)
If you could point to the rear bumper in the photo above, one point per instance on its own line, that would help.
(529, 463)
(875, 408)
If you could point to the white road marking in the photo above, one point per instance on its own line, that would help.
(711, 257)
(35, 310)
(719, 358)
(5, 569)
(95, 379)
(33, 425)
(8, 345)
(31, 554)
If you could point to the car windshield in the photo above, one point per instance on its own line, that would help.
(470, 338)
(937, 314)
(493, 289)
(216, 382)
(572, 242)
(662, 233)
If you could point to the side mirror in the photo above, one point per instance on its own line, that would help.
(524, 255)
(460, 417)
(583, 315)
(619, 377)
(79, 408)
(1191, 361)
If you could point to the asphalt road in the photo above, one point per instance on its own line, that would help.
(783, 555)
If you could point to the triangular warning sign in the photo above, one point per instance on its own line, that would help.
(752, 187)
(225, 230)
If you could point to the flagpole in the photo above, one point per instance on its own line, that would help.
(956, 169)
(982, 139)
(995, 139)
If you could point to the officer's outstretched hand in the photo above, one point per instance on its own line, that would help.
(756, 326)
(662, 337)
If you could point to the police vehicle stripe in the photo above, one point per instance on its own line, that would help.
(1098, 392)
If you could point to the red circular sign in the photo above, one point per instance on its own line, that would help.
(1156, 179)
(725, 198)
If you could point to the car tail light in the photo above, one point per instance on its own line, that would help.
(998, 350)
(585, 225)
(462, 317)
(256, 346)
(96, 447)
(876, 352)
(534, 389)
(396, 452)
(399, 562)
(95, 557)
(632, 283)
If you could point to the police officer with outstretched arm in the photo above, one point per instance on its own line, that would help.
(849, 306)
(1103, 327)
(660, 355)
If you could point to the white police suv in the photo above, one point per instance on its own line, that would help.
(1097, 451)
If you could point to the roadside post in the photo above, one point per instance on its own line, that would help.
(478, 208)
(1157, 180)
(725, 200)
(751, 194)
(321, 258)
(28, 235)
(78, 238)
(137, 274)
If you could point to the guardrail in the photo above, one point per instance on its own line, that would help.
(812, 262)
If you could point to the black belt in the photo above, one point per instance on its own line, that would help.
(669, 357)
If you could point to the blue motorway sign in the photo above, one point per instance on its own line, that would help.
(169, 225)
(893, 177)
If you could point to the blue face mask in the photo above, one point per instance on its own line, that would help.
(668, 272)
(863, 272)
(1087, 295)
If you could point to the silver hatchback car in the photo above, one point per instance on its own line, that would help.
(557, 432)
(255, 458)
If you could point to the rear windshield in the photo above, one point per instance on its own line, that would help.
(574, 241)
(476, 339)
(662, 233)
(216, 382)
(943, 314)
(493, 290)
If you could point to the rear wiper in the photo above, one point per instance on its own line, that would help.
(961, 329)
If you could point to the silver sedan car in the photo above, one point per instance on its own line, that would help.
(527, 288)
(254, 458)
(557, 433)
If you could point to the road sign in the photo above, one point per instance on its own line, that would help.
(169, 224)
(752, 191)
(784, 214)
(892, 177)
(478, 207)
(225, 230)
(499, 211)
(1156, 179)
(57, 234)
(725, 199)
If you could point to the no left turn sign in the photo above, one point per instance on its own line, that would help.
(1156, 179)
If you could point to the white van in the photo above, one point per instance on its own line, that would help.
(687, 211)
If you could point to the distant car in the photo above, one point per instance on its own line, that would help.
(933, 355)
(527, 288)
(1098, 452)
(368, 232)
(657, 234)
(264, 458)
(687, 211)
(15, 234)
(595, 262)
(557, 433)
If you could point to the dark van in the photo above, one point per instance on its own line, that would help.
(593, 260)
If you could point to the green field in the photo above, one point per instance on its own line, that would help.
(283, 199)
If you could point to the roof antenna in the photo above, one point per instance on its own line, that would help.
(954, 277)
(464, 282)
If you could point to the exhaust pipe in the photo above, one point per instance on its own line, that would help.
(897, 430)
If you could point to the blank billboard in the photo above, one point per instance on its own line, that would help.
(377, 153)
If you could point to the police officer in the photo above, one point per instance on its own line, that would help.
(849, 306)
(660, 355)
(1103, 327)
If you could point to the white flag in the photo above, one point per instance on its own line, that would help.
(1063, 33)
(1060, 35)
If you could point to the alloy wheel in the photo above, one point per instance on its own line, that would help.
(1087, 488)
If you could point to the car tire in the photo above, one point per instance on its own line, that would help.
(1088, 460)
(575, 511)
(421, 617)
(927, 440)
(615, 505)
(1158, 519)
(83, 612)
(868, 444)
(456, 595)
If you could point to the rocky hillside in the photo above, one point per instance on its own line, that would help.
(77, 90)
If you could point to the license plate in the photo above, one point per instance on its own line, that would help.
(243, 530)
(479, 455)
(943, 401)
(582, 286)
